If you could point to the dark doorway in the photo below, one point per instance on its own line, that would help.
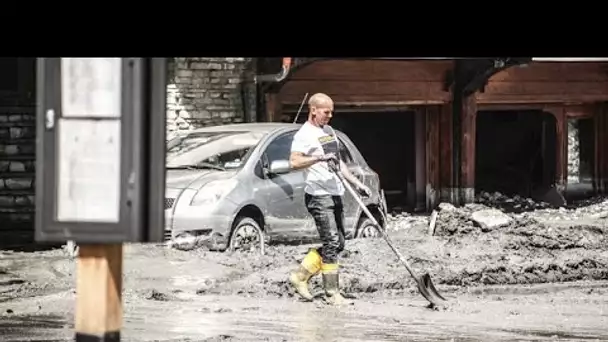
(515, 151)
(386, 140)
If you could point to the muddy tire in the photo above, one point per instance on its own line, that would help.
(366, 229)
(247, 235)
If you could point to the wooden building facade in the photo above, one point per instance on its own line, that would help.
(440, 129)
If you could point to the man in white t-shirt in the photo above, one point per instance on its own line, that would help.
(315, 149)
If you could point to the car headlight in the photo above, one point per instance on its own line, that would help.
(213, 191)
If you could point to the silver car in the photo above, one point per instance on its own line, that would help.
(230, 187)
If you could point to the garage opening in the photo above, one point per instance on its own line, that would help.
(581, 158)
(515, 152)
(386, 141)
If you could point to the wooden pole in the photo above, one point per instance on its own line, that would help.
(99, 293)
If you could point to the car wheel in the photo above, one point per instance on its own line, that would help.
(366, 229)
(247, 235)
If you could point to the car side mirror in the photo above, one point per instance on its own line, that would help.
(278, 167)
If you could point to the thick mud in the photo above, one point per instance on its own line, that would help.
(461, 254)
(502, 284)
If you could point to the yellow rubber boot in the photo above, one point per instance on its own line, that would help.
(331, 284)
(310, 266)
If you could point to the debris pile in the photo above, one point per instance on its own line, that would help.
(472, 245)
(475, 218)
(529, 254)
(510, 204)
(490, 242)
(404, 221)
(595, 208)
(515, 253)
(494, 211)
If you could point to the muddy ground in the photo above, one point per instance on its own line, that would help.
(543, 276)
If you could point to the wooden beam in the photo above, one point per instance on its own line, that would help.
(370, 82)
(471, 75)
(601, 149)
(367, 90)
(604, 150)
(510, 106)
(580, 111)
(469, 130)
(445, 153)
(289, 105)
(572, 111)
(433, 160)
(548, 82)
(561, 160)
(273, 107)
(598, 147)
(99, 293)
(420, 157)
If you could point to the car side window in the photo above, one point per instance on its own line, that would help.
(280, 148)
(345, 155)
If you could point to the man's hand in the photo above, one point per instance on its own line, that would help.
(332, 161)
(328, 157)
(364, 190)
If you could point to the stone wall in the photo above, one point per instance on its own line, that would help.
(17, 174)
(207, 91)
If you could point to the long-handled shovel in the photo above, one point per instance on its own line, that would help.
(425, 285)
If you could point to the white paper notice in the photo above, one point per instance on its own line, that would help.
(91, 87)
(89, 171)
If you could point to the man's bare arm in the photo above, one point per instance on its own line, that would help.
(299, 160)
(362, 188)
(348, 175)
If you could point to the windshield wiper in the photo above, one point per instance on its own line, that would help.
(199, 166)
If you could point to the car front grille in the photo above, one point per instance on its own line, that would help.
(169, 203)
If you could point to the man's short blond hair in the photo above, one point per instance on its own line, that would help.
(320, 100)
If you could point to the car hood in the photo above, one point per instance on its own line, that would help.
(194, 179)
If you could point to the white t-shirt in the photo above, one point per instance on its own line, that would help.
(314, 141)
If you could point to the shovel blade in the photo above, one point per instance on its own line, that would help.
(428, 290)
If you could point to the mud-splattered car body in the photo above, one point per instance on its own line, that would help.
(220, 180)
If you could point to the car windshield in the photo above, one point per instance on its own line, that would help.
(211, 150)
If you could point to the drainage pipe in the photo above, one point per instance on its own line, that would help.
(285, 68)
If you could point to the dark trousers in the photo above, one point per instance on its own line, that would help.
(328, 213)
